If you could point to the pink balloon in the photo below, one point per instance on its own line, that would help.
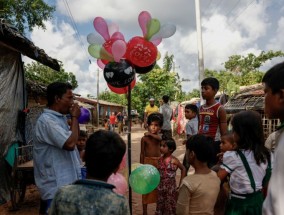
(118, 36)
(119, 182)
(118, 49)
(112, 28)
(101, 27)
(157, 41)
(143, 18)
(122, 165)
(100, 64)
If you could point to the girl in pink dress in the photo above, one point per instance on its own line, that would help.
(167, 189)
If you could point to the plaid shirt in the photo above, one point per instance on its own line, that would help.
(89, 197)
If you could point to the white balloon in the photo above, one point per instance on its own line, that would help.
(166, 31)
(93, 38)
(112, 28)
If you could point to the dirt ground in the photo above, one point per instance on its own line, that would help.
(30, 205)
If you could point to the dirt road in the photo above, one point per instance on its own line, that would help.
(31, 202)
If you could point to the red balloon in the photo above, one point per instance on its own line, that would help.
(122, 90)
(141, 52)
(108, 44)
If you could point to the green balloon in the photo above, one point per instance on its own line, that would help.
(144, 179)
(153, 27)
(95, 50)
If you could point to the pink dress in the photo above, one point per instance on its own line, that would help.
(166, 203)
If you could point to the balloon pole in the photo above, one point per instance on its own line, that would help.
(129, 142)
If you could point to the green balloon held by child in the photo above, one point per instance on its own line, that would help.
(144, 179)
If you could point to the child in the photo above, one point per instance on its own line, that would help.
(274, 108)
(191, 127)
(104, 153)
(106, 124)
(227, 144)
(81, 143)
(150, 152)
(198, 192)
(246, 166)
(167, 189)
(212, 116)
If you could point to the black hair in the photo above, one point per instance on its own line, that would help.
(229, 136)
(56, 89)
(248, 126)
(192, 107)
(83, 133)
(171, 143)
(202, 146)
(274, 78)
(103, 154)
(158, 117)
(213, 82)
(165, 98)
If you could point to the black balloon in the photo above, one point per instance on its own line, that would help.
(119, 74)
(144, 70)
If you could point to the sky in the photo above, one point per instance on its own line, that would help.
(229, 27)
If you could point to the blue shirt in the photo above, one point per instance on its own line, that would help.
(53, 166)
(191, 127)
(89, 197)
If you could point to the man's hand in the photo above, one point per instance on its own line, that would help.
(75, 111)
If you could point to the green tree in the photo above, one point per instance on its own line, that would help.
(113, 97)
(250, 63)
(42, 74)
(168, 62)
(26, 13)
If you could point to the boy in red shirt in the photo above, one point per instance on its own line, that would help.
(212, 116)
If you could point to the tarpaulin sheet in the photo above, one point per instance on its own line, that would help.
(12, 102)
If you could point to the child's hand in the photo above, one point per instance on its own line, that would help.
(147, 133)
(220, 156)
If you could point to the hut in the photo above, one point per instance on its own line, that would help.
(251, 98)
(13, 92)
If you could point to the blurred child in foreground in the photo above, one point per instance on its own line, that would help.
(104, 153)
(198, 192)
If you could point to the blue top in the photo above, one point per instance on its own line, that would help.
(191, 127)
(89, 197)
(53, 166)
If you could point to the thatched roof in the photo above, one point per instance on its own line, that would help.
(248, 98)
(11, 38)
(35, 89)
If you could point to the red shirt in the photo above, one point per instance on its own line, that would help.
(209, 121)
(112, 119)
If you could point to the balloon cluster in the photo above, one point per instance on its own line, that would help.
(119, 59)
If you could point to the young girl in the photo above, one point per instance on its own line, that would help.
(247, 165)
(167, 190)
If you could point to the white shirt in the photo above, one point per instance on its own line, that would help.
(274, 201)
(239, 180)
